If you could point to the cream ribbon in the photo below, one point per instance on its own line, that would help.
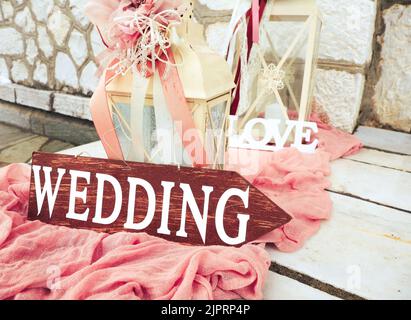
(169, 148)
(230, 41)
(137, 103)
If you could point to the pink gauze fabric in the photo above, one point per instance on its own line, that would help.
(40, 261)
(296, 182)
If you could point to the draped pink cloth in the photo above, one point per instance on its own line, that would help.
(40, 261)
(296, 182)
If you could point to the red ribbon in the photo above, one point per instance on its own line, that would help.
(254, 16)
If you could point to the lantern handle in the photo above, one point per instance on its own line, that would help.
(187, 15)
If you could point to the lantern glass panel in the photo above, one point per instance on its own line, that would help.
(289, 48)
(121, 114)
(164, 145)
(216, 125)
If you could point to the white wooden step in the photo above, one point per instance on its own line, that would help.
(279, 287)
(93, 149)
(364, 249)
(369, 182)
(385, 140)
(383, 159)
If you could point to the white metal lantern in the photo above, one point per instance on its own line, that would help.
(288, 55)
(207, 83)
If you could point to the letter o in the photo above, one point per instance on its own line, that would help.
(248, 133)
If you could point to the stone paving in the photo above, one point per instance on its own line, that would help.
(17, 145)
(45, 122)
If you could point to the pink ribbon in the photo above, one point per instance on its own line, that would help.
(253, 32)
(255, 16)
(102, 118)
(180, 111)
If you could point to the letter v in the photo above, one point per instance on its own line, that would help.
(47, 189)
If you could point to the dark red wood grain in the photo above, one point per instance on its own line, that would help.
(265, 215)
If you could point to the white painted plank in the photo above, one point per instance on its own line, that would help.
(385, 140)
(382, 185)
(364, 249)
(279, 287)
(383, 159)
(93, 149)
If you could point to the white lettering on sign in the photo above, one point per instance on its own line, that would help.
(242, 218)
(134, 182)
(47, 188)
(74, 193)
(188, 202)
(271, 138)
(98, 217)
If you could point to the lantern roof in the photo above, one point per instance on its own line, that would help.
(295, 7)
(204, 74)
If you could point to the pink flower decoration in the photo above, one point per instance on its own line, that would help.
(117, 23)
(135, 32)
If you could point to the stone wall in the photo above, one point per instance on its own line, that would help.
(48, 44)
(387, 98)
(48, 49)
(345, 52)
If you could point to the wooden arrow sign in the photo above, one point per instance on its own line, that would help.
(190, 205)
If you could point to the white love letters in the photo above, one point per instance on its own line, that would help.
(270, 138)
